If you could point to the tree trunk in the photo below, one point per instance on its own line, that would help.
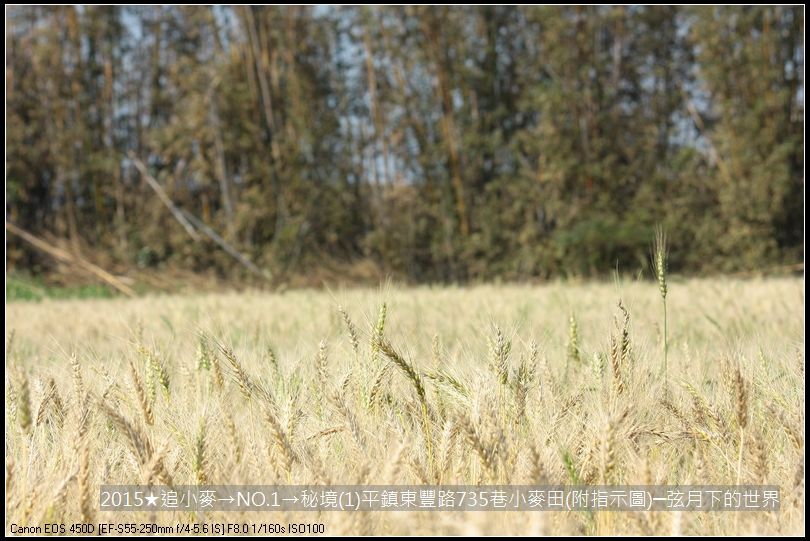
(448, 127)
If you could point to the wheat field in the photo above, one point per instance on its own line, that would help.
(562, 383)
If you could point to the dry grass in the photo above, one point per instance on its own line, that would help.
(458, 385)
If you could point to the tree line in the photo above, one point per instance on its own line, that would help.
(435, 143)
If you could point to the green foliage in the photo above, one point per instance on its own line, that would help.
(22, 288)
(437, 143)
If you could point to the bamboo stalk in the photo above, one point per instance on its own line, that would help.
(66, 257)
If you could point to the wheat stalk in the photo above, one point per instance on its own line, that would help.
(376, 386)
(499, 356)
(78, 382)
(321, 366)
(661, 264)
(352, 330)
(537, 474)
(273, 360)
(625, 333)
(203, 352)
(416, 380)
(23, 400)
(760, 458)
(410, 372)
(200, 464)
(246, 386)
(157, 372)
(378, 332)
(573, 352)
(446, 446)
(484, 451)
(281, 439)
(793, 432)
(615, 364)
(351, 419)
(85, 494)
(138, 442)
(456, 427)
(140, 393)
(741, 402)
(52, 402)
